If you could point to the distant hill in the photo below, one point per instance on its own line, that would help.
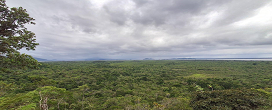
(40, 59)
(148, 59)
(183, 58)
(103, 59)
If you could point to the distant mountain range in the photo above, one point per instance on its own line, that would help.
(105, 59)
(40, 59)
(89, 59)
(148, 59)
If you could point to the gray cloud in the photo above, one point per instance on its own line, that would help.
(135, 29)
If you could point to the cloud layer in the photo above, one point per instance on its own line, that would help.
(135, 29)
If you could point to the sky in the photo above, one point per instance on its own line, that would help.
(158, 29)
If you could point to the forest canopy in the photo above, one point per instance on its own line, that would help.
(165, 84)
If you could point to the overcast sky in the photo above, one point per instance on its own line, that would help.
(137, 29)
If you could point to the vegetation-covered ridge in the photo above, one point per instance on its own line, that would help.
(139, 85)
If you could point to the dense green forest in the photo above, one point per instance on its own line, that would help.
(138, 85)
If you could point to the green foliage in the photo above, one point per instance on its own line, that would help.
(31, 106)
(57, 97)
(14, 36)
(15, 101)
(101, 85)
(241, 99)
(198, 88)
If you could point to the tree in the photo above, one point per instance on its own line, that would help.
(14, 36)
